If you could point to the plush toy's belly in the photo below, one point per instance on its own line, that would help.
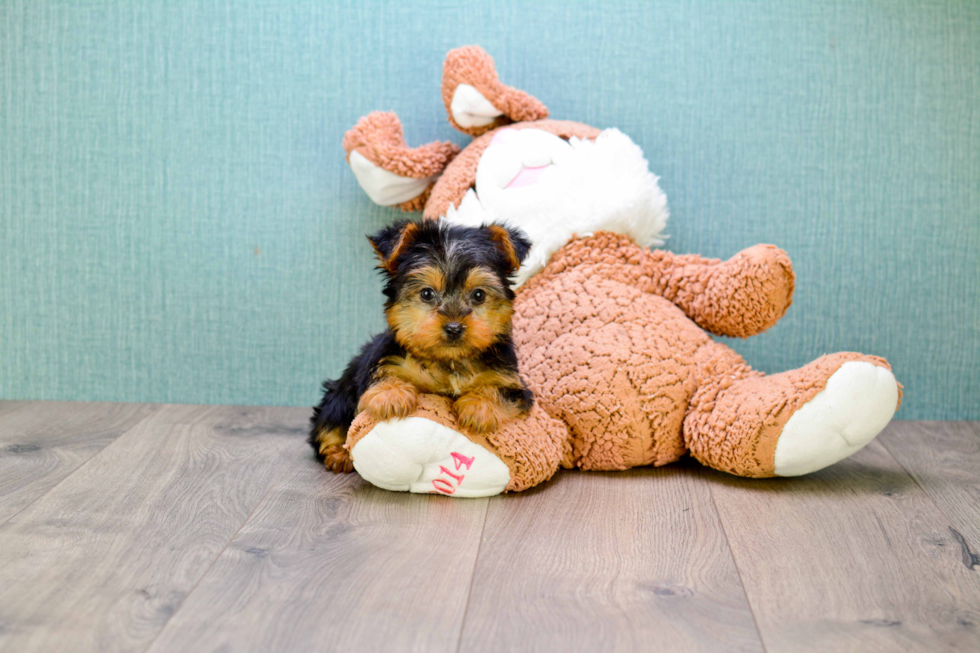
(615, 364)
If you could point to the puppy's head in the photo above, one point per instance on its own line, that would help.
(448, 287)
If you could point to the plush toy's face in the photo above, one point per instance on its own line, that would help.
(524, 174)
(555, 189)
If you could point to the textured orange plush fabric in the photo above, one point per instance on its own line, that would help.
(613, 338)
(379, 138)
(472, 65)
(609, 340)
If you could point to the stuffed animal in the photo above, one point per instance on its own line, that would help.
(612, 337)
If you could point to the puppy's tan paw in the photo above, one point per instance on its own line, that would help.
(479, 414)
(389, 399)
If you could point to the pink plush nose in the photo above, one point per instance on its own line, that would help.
(503, 136)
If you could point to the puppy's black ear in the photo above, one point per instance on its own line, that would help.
(512, 242)
(391, 242)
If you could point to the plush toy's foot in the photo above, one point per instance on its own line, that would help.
(419, 455)
(791, 423)
(428, 452)
(855, 405)
(476, 99)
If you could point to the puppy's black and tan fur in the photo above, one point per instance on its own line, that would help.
(448, 308)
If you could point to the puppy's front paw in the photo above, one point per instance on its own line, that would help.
(478, 413)
(388, 399)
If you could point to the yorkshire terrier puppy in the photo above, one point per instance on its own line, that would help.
(448, 308)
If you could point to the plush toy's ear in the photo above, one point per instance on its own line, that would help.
(476, 99)
(391, 242)
(389, 172)
(512, 242)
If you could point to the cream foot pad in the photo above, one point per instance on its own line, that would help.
(856, 404)
(418, 455)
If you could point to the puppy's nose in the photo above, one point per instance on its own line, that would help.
(453, 330)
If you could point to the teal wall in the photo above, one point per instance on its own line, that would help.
(177, 223)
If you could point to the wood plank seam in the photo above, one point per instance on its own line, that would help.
(860, 610)
(608, 561)
(738, 568)
(197, 583)
(204, 451)
(476, 562)
(154, 410)
(970, 559)
(344, 535)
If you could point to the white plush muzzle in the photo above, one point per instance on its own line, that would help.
(555, 190)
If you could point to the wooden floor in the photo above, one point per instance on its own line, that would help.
(198, 528)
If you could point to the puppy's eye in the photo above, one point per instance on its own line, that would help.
(479, 296)
(427, 294)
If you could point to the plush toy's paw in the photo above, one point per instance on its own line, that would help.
(748, 293)
(855, 405)
(389, 399)
(419, 455)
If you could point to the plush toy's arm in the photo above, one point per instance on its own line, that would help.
(740, 297)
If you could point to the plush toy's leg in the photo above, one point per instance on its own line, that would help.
(428, 452)
(791, 423)
(475, 98)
